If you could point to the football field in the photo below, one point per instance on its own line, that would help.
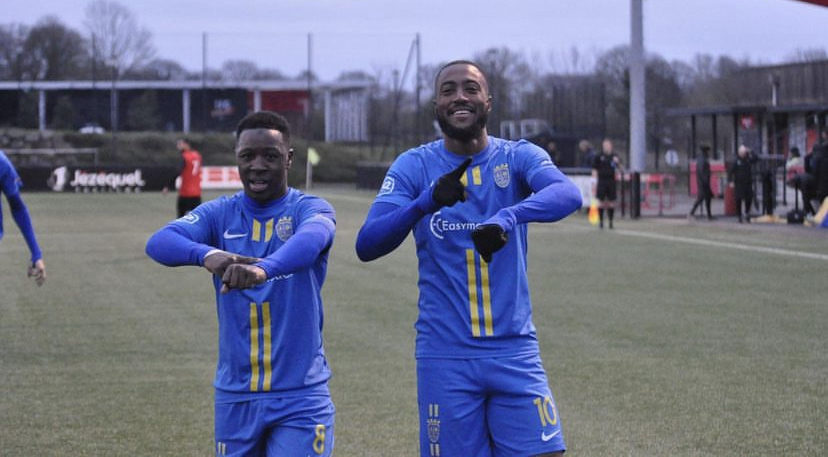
(661, 338)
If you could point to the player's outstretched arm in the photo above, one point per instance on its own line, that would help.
(37, 268)
(172, 247)
(387, 224)
(555, 198)
(300, 251)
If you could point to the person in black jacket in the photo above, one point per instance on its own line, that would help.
(703, 191)
(740, 177)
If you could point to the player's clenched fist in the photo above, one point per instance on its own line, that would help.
(242, 276)
(217, 261)
(488, 239)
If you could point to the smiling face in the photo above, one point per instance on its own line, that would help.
(462, 102)
(263, 158)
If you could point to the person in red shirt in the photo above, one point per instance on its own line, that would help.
(189, 191)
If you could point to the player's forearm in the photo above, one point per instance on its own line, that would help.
(301, 250)
(171, 248)
(21, 216)
(385, 228)
(555, 198)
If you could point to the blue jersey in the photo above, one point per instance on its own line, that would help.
(9, 183)
(270, 336)
(467, 307)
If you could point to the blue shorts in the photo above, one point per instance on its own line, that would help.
(486, 407)
(275, 426)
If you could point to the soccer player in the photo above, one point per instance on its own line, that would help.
(10, 185)
(189, 192)
(604, 166)
(267, 249)
(481, 386)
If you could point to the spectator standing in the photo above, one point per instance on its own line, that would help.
(703, 190)
(740, 178)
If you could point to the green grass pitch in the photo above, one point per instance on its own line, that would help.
(661, 338)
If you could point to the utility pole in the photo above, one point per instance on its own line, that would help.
(638, 112)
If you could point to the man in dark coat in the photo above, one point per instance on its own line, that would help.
(740, 177)
(703, 191)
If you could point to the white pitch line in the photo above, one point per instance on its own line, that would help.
(720, 244)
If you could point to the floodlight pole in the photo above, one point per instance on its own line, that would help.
(638, 112)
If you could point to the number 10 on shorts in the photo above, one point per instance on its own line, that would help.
(546, 410)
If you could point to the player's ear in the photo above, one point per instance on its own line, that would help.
(290, 157)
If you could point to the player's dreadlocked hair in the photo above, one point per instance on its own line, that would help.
(264, 120)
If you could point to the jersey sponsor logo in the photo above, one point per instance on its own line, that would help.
(439, 225)
(502, 177)
(545, 437)
(284, 228)
(387, 186)
(229, 236)
(189, 218)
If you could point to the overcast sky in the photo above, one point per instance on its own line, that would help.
(375, 35)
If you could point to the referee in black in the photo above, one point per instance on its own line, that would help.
(604, 166)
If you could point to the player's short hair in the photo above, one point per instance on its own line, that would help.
(264, 120)
(460, 62)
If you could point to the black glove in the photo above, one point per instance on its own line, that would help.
(488, 239)
(449, 190)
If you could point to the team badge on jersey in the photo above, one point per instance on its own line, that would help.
(284, 228)
(387, 186)
(502, 175)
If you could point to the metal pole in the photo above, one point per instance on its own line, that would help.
(417, 108)
(309, 120)
(638, 113)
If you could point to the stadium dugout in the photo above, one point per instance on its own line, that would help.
(194, 105)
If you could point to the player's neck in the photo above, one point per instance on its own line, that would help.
(470, 147)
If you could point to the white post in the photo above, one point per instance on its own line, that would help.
(185, 111)
(638, 113)
(41, 110)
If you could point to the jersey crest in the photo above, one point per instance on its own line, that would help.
(502, 177)
(284, 228)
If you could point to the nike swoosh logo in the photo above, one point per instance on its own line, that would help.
(545, 437)
(230, 236)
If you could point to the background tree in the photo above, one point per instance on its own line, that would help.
(239, 70)
(142, 113)
(159, 69)
(55, 51)
(508, 74)
(63, 114)
(116, 38)
(14, 62)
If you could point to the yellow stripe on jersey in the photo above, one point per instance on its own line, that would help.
(476, 176)
(257, 230)
(266, 343)
(487, 302)
(268, 230)
(254, 347)
(472, 280)
(464, 180)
